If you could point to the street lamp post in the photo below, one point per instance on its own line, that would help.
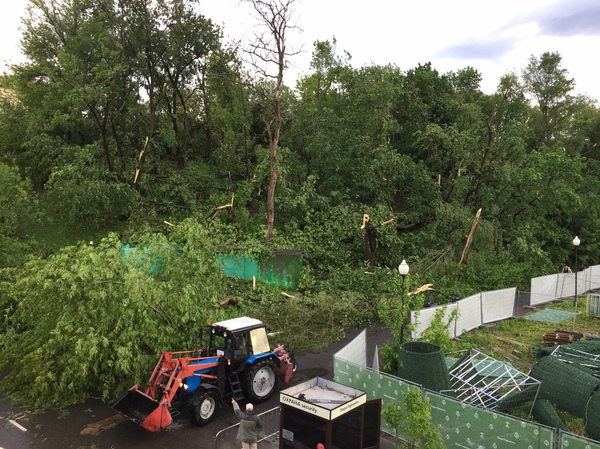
(403, 269)
(576, 243)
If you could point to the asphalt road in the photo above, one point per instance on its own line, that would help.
(94, 425)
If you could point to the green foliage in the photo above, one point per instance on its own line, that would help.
(389, 354)
(548, 82)
(17, 207)
(438, 330)
(8, 304)
(176, 194)
(315, 321)
(413, 421)
(86, 323)
(104, 83)
(86, 193)
(320, 235)
(15, 201)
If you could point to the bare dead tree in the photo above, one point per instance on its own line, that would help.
(269, 53)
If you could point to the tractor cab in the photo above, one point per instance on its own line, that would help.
(238, 340)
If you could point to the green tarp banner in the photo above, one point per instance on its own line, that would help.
(283, 268)
(464, 425)
(570, 441)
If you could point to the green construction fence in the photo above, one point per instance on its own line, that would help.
(462, 425)
(283, 268)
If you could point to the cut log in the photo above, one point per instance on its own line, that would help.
(512, 357)
(509, 340)
(229, 300)
(559, 338)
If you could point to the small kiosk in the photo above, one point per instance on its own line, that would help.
(323, 411)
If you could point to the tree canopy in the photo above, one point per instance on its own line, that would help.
(130, 117)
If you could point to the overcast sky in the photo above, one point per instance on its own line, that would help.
(493, 37)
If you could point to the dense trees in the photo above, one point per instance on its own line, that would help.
(131, 114)
(125, 83)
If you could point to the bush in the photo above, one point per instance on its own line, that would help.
(88, 194)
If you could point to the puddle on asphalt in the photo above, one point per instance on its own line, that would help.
(309, 373)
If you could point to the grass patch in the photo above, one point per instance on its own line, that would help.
(50, 231)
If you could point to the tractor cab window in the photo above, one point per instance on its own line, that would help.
(220, 344)
(242, 349)
(259, 340)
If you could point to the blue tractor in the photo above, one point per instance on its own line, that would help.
(238, 363)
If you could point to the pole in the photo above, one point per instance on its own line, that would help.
(403, 313)
(576, 276)
(403, 269)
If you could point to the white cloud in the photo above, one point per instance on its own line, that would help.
(494, 38)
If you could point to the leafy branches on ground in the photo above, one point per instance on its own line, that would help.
(85, 321)
(316, 321)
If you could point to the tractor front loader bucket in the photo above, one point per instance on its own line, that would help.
(143, 410)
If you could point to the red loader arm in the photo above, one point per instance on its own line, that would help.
(151, 408)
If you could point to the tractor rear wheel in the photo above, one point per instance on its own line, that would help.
(261, 380)
(202, 406)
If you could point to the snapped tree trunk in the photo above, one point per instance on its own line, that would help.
(465, 253)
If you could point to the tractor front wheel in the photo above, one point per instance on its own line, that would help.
(202, 406)
(261, 380)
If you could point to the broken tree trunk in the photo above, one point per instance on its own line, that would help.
(138, 169)
(465, 253)
(371, 238)
(229, 207)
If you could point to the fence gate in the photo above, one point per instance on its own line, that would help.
(225, 439)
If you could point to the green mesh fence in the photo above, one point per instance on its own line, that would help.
(424, 364)
(566, 386)
(462, 424)
(587, 347)
(238, 265)
(550, 316)
(592, 422)
(584, 354)
(377, 385)
(519, 400)
(283, 268)
(545, 413)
